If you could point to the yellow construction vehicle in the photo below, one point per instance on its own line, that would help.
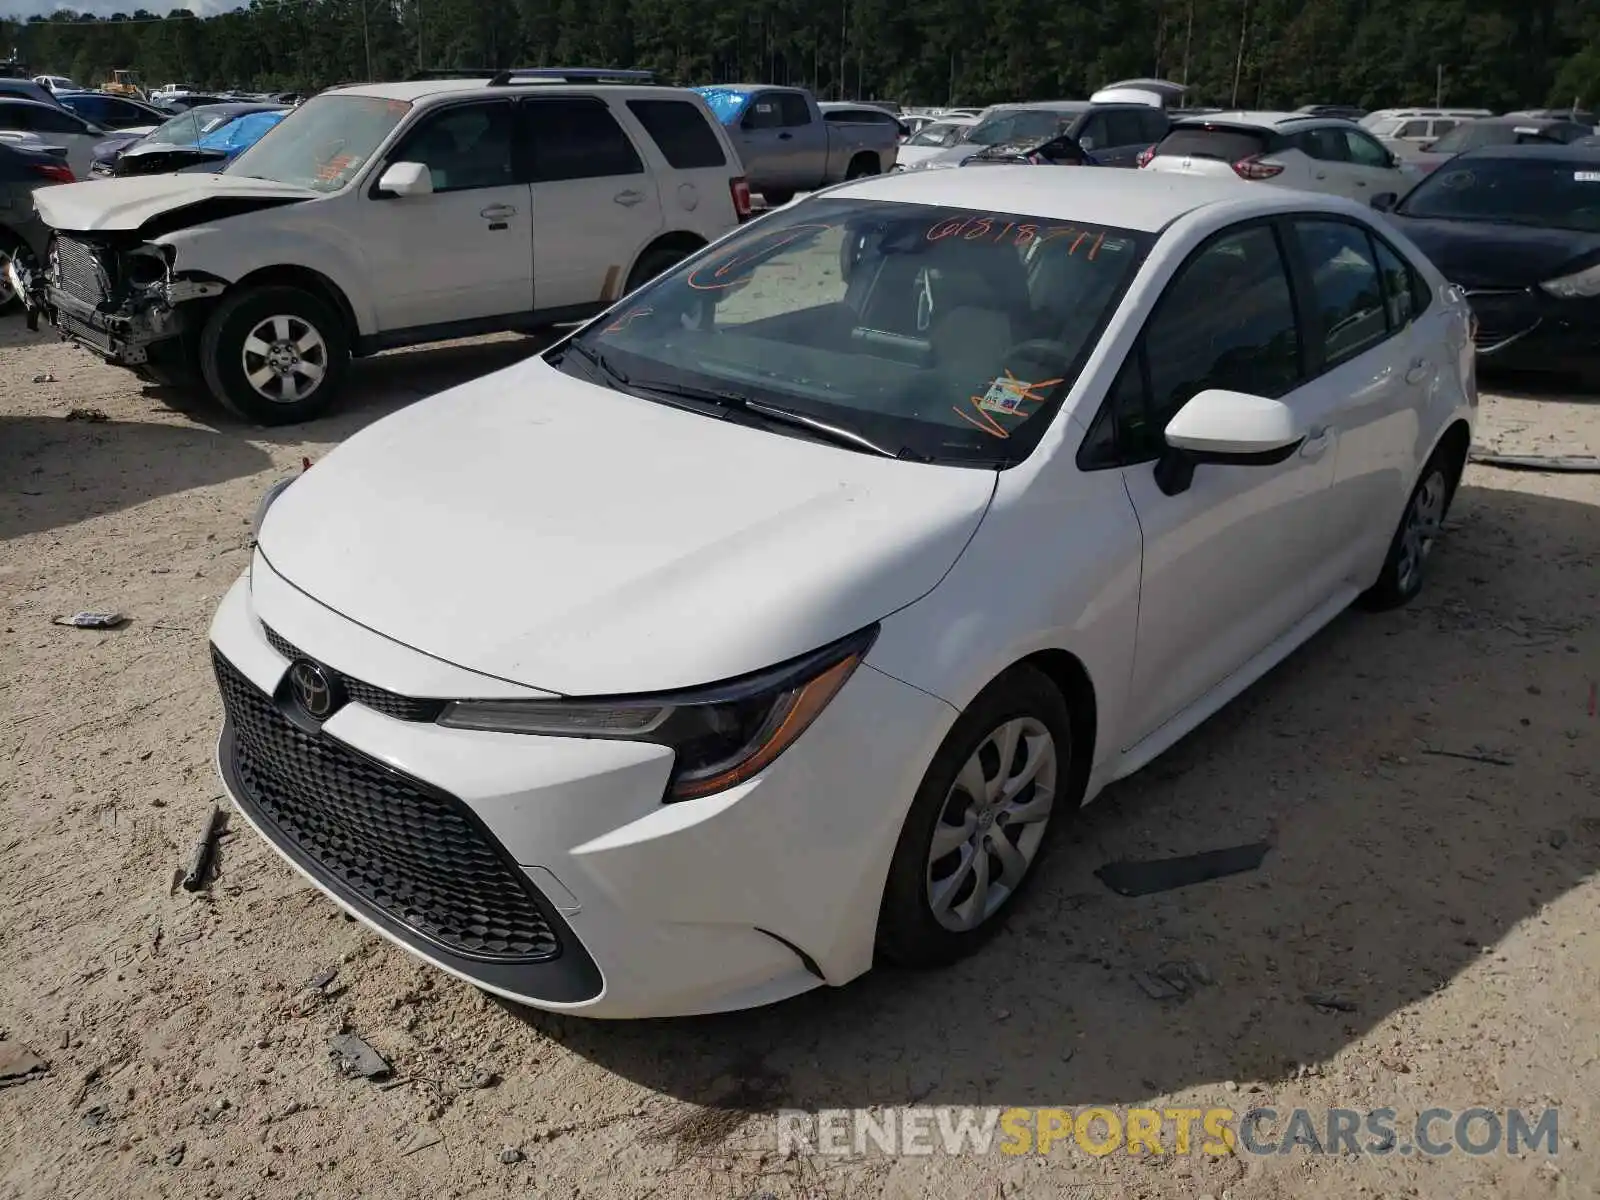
(124, 83)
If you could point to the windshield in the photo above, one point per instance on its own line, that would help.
(1544, 192)
(726, 104)
(931, 135)
(324, 143)
(1020, 125)
(187, 129)
(941, 334)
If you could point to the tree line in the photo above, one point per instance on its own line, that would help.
(1499, 54)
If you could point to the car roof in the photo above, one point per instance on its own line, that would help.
(1065, 106)
(1140, 200)
(6, 98)
(1532, 122)
(234, 108)
(1262, 120)
(421, 90)
(1568, 152)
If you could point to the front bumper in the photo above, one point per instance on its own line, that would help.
(120, 334)
(1524, 329)
(734, 900)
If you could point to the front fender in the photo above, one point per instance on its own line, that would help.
(200, 250)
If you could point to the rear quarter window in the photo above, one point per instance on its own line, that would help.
(681, 133)
(1226, 145)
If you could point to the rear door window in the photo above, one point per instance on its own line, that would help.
(1325, 145)
(1213, 141)
(683, 135)
(578, 138)
(1347, 287)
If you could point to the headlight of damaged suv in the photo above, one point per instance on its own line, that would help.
(722, 735)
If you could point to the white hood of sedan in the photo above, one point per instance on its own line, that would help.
(578, 540)
(114, 204)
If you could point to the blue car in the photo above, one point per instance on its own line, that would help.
(204, 139)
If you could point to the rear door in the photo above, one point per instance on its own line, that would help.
(595, 207)
(1331, 170)
(698, 194)
(1372, 169)
(465, 251)
(52, 126)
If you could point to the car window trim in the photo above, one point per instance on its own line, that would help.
(402, 134)
(1121, 457)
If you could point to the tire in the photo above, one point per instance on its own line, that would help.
(267, 314)
(914, 931)
(655, 261)
(171, 365)
(777, 197)
(1416, 535)
(11, 246)
(863, 165)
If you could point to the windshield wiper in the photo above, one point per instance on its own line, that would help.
(597, 360)
(825, 430)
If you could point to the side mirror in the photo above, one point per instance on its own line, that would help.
(406, 179)
(1228, 429)
(1385, 201)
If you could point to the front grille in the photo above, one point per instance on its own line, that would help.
(1503, 317)
(401, 708)
(78, 271)
(414, 853)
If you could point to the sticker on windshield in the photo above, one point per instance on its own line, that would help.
(1586, 176)
(1005, 397)
(626, 319)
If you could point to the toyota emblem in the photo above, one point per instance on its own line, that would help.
(313, 688)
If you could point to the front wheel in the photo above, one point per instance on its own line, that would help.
(274, 355)
(978, 824)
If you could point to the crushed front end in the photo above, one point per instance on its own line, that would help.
(115, 297)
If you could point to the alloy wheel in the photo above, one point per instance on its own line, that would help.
(992, 823)
(284, 358)
(1423, 520)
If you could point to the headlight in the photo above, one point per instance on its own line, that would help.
(1578, 286)
(722, 735)
(271, 494)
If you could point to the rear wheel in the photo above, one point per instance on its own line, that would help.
(655, 261)
(862, 165)
(274, 355)
(777, 197)
(1418, 533)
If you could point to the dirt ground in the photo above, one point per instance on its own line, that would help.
(1452, 903)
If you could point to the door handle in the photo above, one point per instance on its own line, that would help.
(785, 136)
(1322, 174)
(1361, 183)
(498, 212)
(1419, 371)
(629, 198)
(1316, 442)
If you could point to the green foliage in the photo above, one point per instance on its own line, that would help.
(1497, 54)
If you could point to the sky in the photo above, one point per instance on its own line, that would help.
(104, 8)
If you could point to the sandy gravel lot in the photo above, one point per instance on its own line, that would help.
(1451, 902)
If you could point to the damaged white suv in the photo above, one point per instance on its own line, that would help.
(380, 216)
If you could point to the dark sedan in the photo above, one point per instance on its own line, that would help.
(1518, 229)
(23, 170)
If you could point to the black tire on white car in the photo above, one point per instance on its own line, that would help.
(1418, 532)
(980, 822)
(657, 260)
(274, 355)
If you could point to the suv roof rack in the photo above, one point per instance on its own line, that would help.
(570, 75)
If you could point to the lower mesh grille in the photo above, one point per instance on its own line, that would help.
(416, 854)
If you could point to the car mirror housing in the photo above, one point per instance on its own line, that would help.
(406, 179)
(1385, 201)
(1226, 428)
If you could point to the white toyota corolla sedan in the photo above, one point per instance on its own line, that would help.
(774, 622)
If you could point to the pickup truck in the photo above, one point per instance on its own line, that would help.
(787, 144)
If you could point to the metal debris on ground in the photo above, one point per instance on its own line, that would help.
(1330, 1002)
(510, 1154)
(1166, 874)
(95, 415)
(19, 1065)
(204, 848)
(92, 620)
(354, 1057)
(1494, 760)
(322, 978)
(1174, 980)
(45, 377)
(1578, 463)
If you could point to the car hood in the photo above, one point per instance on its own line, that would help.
(122, 204)
(1486, 255)
(574, 539)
